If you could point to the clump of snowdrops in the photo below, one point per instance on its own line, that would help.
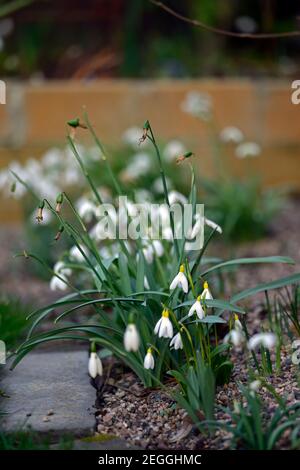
(239, 205)
(153, 303)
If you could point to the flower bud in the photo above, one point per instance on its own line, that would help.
(60, 231)
(146, 127)
(39, 216)
(59, 201)
(184, 157)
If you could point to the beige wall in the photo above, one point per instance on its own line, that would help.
(35, 116)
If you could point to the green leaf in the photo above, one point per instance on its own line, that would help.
(239, 261)
(124, 274)
(281, 282)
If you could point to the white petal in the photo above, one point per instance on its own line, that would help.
(184, 282)
(199, 310)
(157, 326)
(92, 367)
(175, 282)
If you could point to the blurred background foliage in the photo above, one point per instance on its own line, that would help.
(134, 38)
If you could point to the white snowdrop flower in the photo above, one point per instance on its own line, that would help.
(197, 104)
(72, 176)
(158, 248)
(237, 323)
(206, 294)
(255, 385)
(148, 253)
(248, 149)
(131, 338)
(180, 280)
(235, 337)
(139, 166)
(176, 342)
(86, 209)
(231, 134)
(52, 157)
(158, 186)
(176, 196)
(296, 354)
(164, 327)
(58, 284)
(132, 136)
(173, 149)
(149, 360)
(76, 255)
(212, 224)
(95, 365)
(197, 308)
(267, 340)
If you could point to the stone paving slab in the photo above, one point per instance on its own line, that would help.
(46, 383)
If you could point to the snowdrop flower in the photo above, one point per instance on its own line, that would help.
(60, 283)
(149, 360)
(231, 134)
(237, 324)
(197, 307)
(255, 385)
(248, 149)
(173, 149)
(212, 224)
(148, 253)
(132, 136)
(86, 209)
(158, 247)
(164, 327)
(176, 196)
(235, 337)
(199, 224)
(180, 280)
(131, 338)
(197, 104)
(95, 365)
(296, 354)
(75, 253)
(267, 340)
(158, 186)
(139, 166)
(206, 294)
(176, 342)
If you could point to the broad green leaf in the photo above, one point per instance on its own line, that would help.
(239, 261)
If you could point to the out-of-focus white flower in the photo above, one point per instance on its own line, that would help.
(53, 157)
(176, 342)
(296, 354)
(197, 307)
(248, 150)
(180, 280)
(255, 385)
(231, 134)
(164, 327)
(173, 150)
(197, 104)
(235, 337)
(149, 360)
(206, 294)
(212, 224)
(176, 196)
(86, 209)
(60, 283)
(158, 186)
(267, 340)
(198, 226)
(148, 253)
(139, 166)
(131, 338)
(95, 365)
(76, 255)
(146, 283)
(158, 248)
(132, 136)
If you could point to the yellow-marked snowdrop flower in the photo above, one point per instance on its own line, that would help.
(197, 307)
(236, 336)
(131, 338)
(95, 365)
(149, 360)
(296, 353)
(267, 340)
(206, 294)
(180, 280)
(164, 327)
(176, 342)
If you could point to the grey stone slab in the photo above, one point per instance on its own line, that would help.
(104, 442)
(48, 382)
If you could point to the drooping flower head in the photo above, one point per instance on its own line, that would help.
(197, 308)
(164, 327)
(131, 338)
(206, 294)
(149, 360)
(180, 280)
